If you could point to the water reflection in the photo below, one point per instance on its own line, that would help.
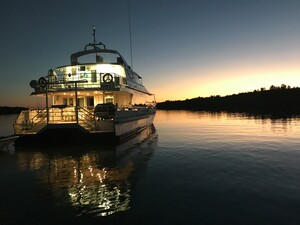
(6, 124)
(95, 180)
(277, 123)
(207, 118)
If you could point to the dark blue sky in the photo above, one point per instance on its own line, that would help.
(182, 49)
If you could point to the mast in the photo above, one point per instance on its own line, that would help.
(94, 31)
(129, 26)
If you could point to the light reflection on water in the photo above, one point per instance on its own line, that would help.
(95, 180)
(213, 128)
(197, 168)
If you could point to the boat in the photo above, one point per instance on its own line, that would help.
(97, 95)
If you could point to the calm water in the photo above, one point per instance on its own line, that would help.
(191, 168)
(6, 124)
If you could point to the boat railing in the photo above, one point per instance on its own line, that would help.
(58, 114)
(30, 121)
(38, 120)
(124, 113)
(92, 80)
(34, 120)
(86, 118)
(22, 124)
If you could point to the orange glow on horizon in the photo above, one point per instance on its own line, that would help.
(227, 83)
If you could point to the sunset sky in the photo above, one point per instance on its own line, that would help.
(182, 49)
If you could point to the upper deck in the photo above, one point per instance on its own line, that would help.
(95, 68)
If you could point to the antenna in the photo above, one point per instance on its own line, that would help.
(129, 24)
(94, 44)
(94, 30)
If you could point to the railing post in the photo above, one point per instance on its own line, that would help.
(76, 103)
(47, 108)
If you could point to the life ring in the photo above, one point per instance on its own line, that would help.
(33, 83)
(42, 82)
(107, 78)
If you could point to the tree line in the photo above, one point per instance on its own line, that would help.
(10, 110)
(277, 100)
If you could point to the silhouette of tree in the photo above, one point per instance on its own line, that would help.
(277, 100)
(11, 110)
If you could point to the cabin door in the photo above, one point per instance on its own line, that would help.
(90, 102)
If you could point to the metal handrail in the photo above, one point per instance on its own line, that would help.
(89, 80)
(87, 117)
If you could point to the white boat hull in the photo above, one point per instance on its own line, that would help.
(128, 128)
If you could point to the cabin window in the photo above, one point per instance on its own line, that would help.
(90, 102)
(65, 101)
(82, 68)
(99, 59)
(70, 102)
